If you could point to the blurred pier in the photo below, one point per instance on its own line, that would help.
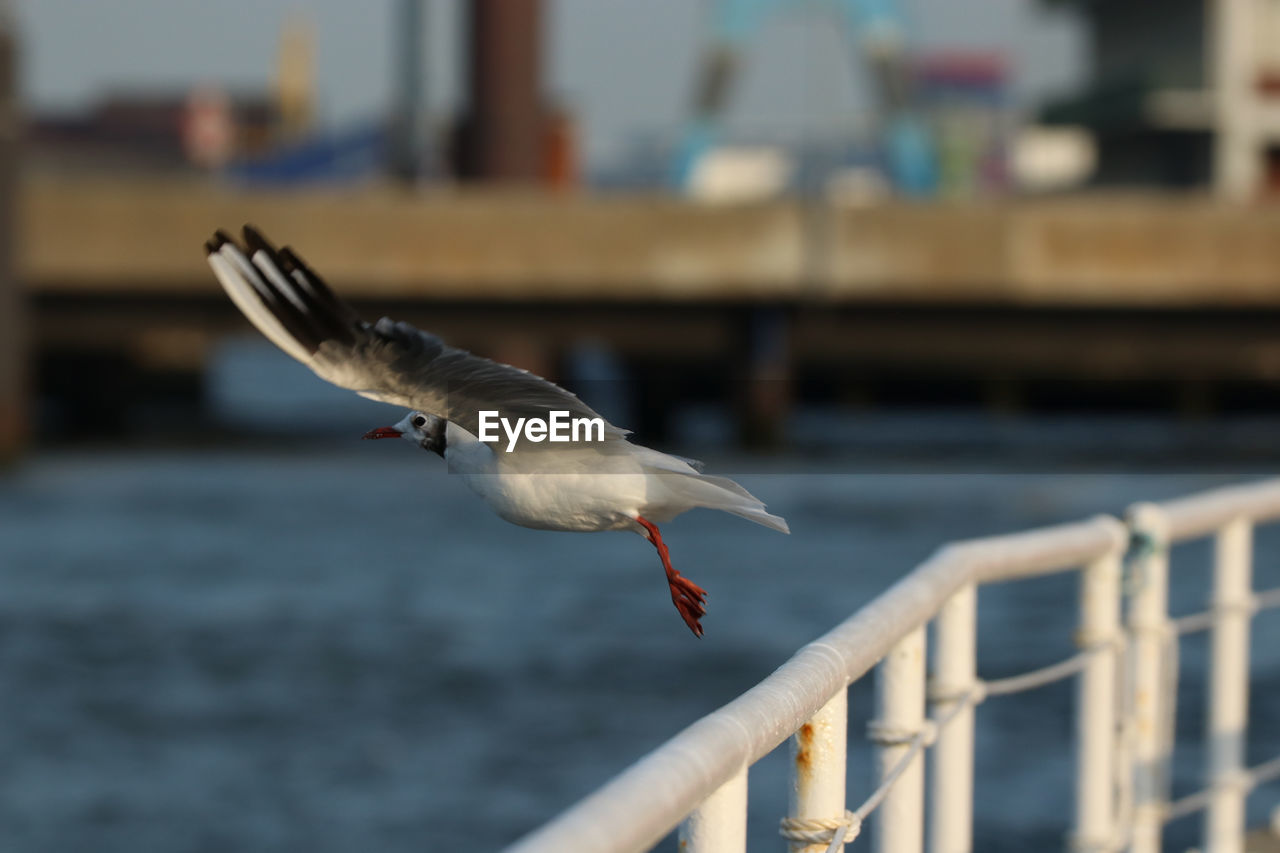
(989, 300)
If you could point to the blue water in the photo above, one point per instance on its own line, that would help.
(337, 648)
(312, 643)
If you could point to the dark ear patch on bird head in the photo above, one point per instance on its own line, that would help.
(433, 436)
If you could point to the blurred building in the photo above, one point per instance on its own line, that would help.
(509, 132)
(965, 97)
(156, 132)
(204, 128)
(1184, 93)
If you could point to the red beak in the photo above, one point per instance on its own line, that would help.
(383, 432)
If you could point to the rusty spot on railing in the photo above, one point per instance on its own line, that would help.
(804, 740)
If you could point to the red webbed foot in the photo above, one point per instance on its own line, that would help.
(689, 598)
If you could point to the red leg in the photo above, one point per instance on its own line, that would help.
(688, 597)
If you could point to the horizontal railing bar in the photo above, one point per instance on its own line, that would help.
(1045, 551)
(1197, 515)
(646, 801)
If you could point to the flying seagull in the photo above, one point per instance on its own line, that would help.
(463, 408)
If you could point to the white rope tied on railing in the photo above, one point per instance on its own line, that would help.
(838, 831)
(1045, 675)
(1092, 641)
(1247, 780)
(1041, 677)
(813, 830)
(829, 830)
(1204, 620)
(1189, 804)
(882, 735)
(1267, 599)
(842, 830)
(1262, 774)
(685, 773)
(925, 737)
(975, 694)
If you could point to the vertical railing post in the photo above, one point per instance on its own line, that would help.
(1149, 630)
(900, 688)
(955, 675)
(818, 752)
(719, 823)
(1228, 688)
(1096, 704)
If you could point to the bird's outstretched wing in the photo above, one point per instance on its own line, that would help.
(387, 361)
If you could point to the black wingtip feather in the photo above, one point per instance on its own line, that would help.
(255, 241)
(296, 322)
(341, 318)
(286, 259)
(325, 315)
(219, 239)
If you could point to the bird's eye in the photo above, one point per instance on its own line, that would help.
(419, 421)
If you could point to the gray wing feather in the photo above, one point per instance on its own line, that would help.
(389, 361)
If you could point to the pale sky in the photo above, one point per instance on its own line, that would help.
(623, 66)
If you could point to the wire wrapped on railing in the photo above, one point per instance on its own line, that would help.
(1246, 781)
(831, 831)
(842, 830)
(1126, 698)
(1203, 621)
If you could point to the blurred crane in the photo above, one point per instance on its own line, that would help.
(876, 32)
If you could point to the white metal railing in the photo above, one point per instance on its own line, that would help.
(1126, 675)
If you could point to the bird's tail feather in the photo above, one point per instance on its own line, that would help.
(705, 490)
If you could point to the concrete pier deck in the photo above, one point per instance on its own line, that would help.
(104, 236)
(1176, 290)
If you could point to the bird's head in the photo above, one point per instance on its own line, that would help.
(426, 431)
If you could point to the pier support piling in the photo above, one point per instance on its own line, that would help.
(12, 326)
(765, 397)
